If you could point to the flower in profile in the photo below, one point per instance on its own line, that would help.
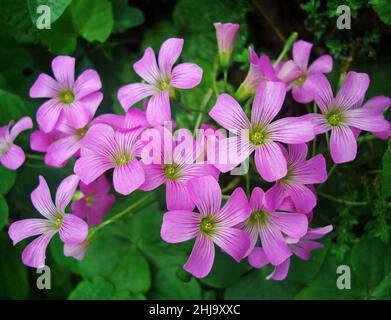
(67, 98)
(301, 174)
(212, 225)
(72, 229)
(95, 200)
(271, 226)
(11, 155)
(261, 134)
(159, 78)
(260, 70)
(302, 249)
(77, 251)
(40, 141)
(340, 114)
(226, 35)
(299, 75)
(107, 149)
(175, 167)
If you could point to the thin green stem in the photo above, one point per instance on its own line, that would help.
(287, 46)
(204, 104)
(34, 156)
(225, 74)
(215, 71)
(342, 201)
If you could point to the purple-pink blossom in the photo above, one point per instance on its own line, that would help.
(260, 134)
(67, 98)
(159, 79)
(343, 113)
(72, 229)
(212, 225)
(226, 34)
(11, 155)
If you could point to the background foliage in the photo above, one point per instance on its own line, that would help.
(128, 260)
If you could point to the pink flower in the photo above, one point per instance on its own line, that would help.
(67, 98)
(71, 228)
(226, 35)
(40, 142)
(134, 118)
(159, 79)
(260, 70)
(341, 114)
(109, 149)
(212, 224)
(302, 74)
(11, 155)
(266, 223)
(302, 249)
(175, 169)
(261, 134)
(301, 172)
(95, 201)
(77, 251)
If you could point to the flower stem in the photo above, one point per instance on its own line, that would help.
(205, 103)
(287, 46)
(34, 156)
(225, 73)
(341, 201)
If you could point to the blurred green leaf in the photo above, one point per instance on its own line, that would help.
(383, 9)
(386, 173)
(7, 179)
(3, 212)
(13, 107)
(126, 17)
(57, 8)
(93, 19)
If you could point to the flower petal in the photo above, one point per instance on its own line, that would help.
(236, 209)
(303, 198)
(311, 171)
(258, 258)
(297, 153)
(179, 226)
(201, 258)
(206, 194)
(274, 246)
(317, 233)
(169, 53)
(88, 168)
(154, 176)
(274, 197)
(289, 72)
(352, 90)
(321, 88)
(128, 177)
(63, 149)
(233, 241)
(13, 158)
(291, 130)
(257, 199)
(159, 109)
(48, 114)
(91, 102)
(318, 121)
(270, 161)
(63, 68)
(34, 254)
(73, 230)
(324, 64)
(26, 228)
(301, 93)
(378, 103)
(87, 83)
(77, 251)
(366, 119)
(21, 125)
(77, 115)
(132, 93)
(229, 114)
(177, 196)
(301, 53)
(186, 76)
(294, 225)
(280, 272)
(44, 87)
(268, 101)
(343, 145)
(65, 191)
(147, 67)
(304, 247)
(42, 200)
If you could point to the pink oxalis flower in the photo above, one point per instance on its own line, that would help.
(261, 134)
(72, 229)
(341, 113)
(302, 249)
(95, 200)
(212, 224)
(112, 149)
(226, 35)
(175, 166)
(67, 98)
(266, 223)
(301, 172)
(159, 79)
(11, 155)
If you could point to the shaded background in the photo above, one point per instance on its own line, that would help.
(129, 260)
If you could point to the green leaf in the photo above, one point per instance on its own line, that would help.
(126, 17)
(383, 9)
(13, 274)
(132, 273)
(7, 179)
(100, 289)
(386, 173)
(13, 107)
(168, 283)
(93, 19)
(3, 212)
(57, 8)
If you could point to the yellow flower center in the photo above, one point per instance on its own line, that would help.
(171, 171)
(335, 118)
(258, 137)
(122, 159)
(258, 218)
(67, 96)
(300, 80)
(207, 225)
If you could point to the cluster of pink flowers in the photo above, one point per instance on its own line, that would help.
(267, 227)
